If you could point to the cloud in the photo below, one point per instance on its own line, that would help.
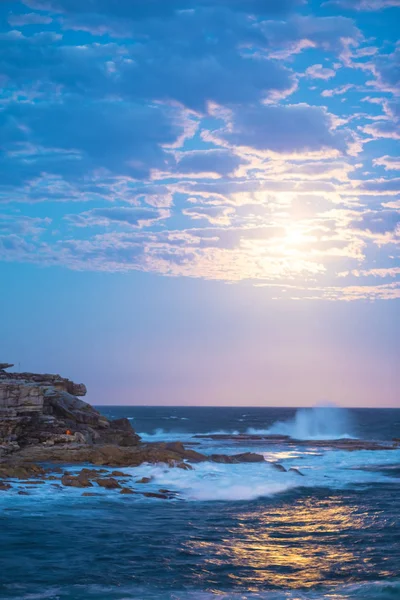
(365, 5)
(382, 129)
(199, 140)
(114, 136)
(328, 33)
(320, 72)
(123, 216)
(137, 10)
(378, 222)
(219, 162)
(378, 272)
(22, 225)
(386, 68)
(389, 163)
(165, 66)
(216, 215)
(21, 19)
(290, 129)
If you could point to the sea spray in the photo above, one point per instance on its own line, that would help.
(322, 422)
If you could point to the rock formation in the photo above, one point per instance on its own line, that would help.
(44, 409)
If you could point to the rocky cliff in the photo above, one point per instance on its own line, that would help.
(45, 409)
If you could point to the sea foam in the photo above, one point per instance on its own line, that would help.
(324, 422)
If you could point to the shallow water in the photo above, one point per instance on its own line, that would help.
(241, 531)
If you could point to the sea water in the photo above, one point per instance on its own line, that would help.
(239, 531)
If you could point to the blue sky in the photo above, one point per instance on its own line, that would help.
(199, 199)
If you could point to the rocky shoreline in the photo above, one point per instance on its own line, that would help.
(44, 423)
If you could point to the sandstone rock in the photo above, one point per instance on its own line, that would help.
(144, 480)
(177, 447)
(45, 409)
(127, 491)
(108, 482)
(184, 466)
(78, 481)
(20, 470)
(119, 474)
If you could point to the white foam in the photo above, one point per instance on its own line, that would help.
(318, 423)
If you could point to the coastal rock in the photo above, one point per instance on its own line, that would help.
(20, 470)
(245, 457)
(249, 457)
(144, 480)
(155, 495)
(127, 491)
(4, 487)
(79, 481)
(108, 482)
(45, 409)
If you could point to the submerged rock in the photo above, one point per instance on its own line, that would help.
(155, 495)
(278, 467)
(294, 470)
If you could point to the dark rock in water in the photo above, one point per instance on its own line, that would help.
(119, 474)
(294, 470)
(155, 495)
(222, 458)
(249, 457)
(89, 473)
(90, 494)
(184, 466)
(278, 467)
(127, 491)
(4, 486)
(245, 457)
(23, 493)
(108, 482)
(144, 480)
(34, 482)
(78, 481)
(349, 444)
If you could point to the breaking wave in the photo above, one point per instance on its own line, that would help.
(325, 422)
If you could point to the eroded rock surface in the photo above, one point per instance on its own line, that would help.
(45, 410)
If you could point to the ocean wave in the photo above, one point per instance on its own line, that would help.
(318, 423)
(210, 481)
(375, 590)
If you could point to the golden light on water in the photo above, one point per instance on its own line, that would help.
(297, 545)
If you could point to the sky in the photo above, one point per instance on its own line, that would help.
(200, 199)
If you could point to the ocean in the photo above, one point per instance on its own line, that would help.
(234, 531)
